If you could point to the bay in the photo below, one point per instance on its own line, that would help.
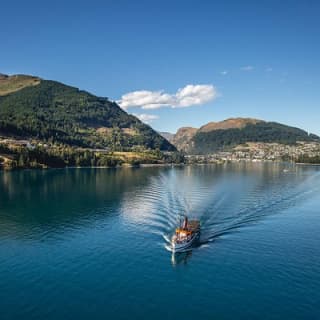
(93, 243)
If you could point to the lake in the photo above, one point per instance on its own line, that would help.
(92, 243)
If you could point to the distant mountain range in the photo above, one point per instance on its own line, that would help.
(45, 110)
(50, 111)
(224, 135)
(167, 135)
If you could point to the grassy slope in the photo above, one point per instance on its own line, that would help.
(10, 84)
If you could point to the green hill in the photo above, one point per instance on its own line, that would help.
(229, 133)
(56, 113)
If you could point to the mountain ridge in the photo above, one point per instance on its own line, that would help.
(13, 83)
(226, 134)
(230, 123)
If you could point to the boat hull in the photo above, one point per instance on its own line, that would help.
(180, 247)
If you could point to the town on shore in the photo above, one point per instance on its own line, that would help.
(19, 154)
(301, 152)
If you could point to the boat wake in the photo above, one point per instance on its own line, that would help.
(223, 202)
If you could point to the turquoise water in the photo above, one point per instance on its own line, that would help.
(91, 243)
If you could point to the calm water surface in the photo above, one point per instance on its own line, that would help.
(91, 243)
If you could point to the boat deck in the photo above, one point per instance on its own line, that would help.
(193, 225)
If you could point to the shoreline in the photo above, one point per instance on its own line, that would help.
(124, 166)
(154, 165)
(307, 164)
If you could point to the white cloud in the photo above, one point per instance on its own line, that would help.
(188, 96)
(247, 68)
(147, 118)
(224, 72)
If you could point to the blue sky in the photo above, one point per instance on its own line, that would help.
(228, 58)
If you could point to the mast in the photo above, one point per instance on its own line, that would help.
(185, 223)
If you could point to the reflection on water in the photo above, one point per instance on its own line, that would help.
(35, 201)
(181, 257)
(81, 243)
(224, 198)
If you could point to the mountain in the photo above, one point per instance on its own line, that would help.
(224, 135)
(57, 113)
(183, 137)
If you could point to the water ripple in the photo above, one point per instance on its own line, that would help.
(222, 204)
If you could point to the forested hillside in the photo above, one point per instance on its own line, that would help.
(229, 133)
(57, 113)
